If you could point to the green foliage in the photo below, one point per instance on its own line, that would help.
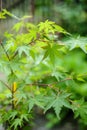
(72, 16)
(41, 73)
(57, 102)
(78, 42)
(80, 110)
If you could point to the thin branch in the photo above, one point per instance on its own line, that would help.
(5, 51)
(13, 101)
(6, 55)
(50, 84)
(14, 55)
(15, 17)
(6, 85)
(1, 4)
(64, 80)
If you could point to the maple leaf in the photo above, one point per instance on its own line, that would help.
(57, 102)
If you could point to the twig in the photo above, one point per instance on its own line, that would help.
(65, 80)
(50, 84)
(5, 51)
(1, 5)
(14, 55)
(6, 55)
(6, 85)
(13, 101)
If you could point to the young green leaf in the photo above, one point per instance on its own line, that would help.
(18, 26)
(23, 49)
(17, 123)
(57, 102)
